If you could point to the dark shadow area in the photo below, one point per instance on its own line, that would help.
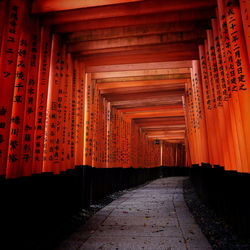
(40, 211)
(219, 202)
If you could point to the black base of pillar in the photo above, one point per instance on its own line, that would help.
(227, 193)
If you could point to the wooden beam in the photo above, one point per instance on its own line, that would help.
(168, 137)
(117, 58)
(145, 78)
(140, 30)
(43, 6)
(143, 89)
(122, 10)
(163, 17)
(134, 109)
(165, 113)
(143, 96)
(139, 66)
(141, 83)
(167, 48)
(102, 76)
(166, 121)
(165, 132)
(163, 38)
(163, 128)
(148, 102)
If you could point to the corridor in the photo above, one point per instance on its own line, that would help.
(100, 96)
(152, 217)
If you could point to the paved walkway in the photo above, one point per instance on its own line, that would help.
(152, 217)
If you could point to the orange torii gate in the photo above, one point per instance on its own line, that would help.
(59, 109)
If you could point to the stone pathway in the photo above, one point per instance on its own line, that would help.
(153, 217)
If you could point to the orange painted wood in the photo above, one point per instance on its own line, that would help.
(245, 13)
(69, 163)
(30, 101)
(178, 45)
(139, 66)
(108, 132)
(111, 85)
(162, 17)
(88, 121)
(223, 78)
(80, 115)
(199, 100)
(8, 63)
(147, 89)
(214, 104)
(129, 31)
(192, 125)
(139, 73)
(60, 135)
(42, 88)
(3, 26)
(50, 154)
(216, 88)
(116, 58)
(236, 120)
(14, 169)
(212, 140)
(130, 9)
(41, 6)
(242, 69)
(141, 96)
(163, 38)
(73, 124)
(165, 113)
(62, 111)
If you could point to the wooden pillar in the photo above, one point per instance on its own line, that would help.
(43, 78)
(242, 69)
(212, 139)
(201, 120)
(231, 135)
(219, 111)
(17, 115)
(233, 97)
(30, 101)
(88, 127)
(8, 62)
(191, 125)
(50, 155)
(245, 15)
(215, 103)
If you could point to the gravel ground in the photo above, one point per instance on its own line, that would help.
(218, 233)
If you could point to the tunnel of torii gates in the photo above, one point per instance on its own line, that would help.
(123, 84)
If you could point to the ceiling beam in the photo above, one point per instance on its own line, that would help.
(140, 83)
(123, 10)
(144, 78)
(166, 113)
(43, 6)
(143, 89)
(117, 58)
(148, 102)
(102, 76)
(167, 48)
(141, 30)
(163, 17)
(139, 66)
(173, 37)
(143, 95)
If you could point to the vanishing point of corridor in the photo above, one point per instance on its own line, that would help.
(101, 96)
